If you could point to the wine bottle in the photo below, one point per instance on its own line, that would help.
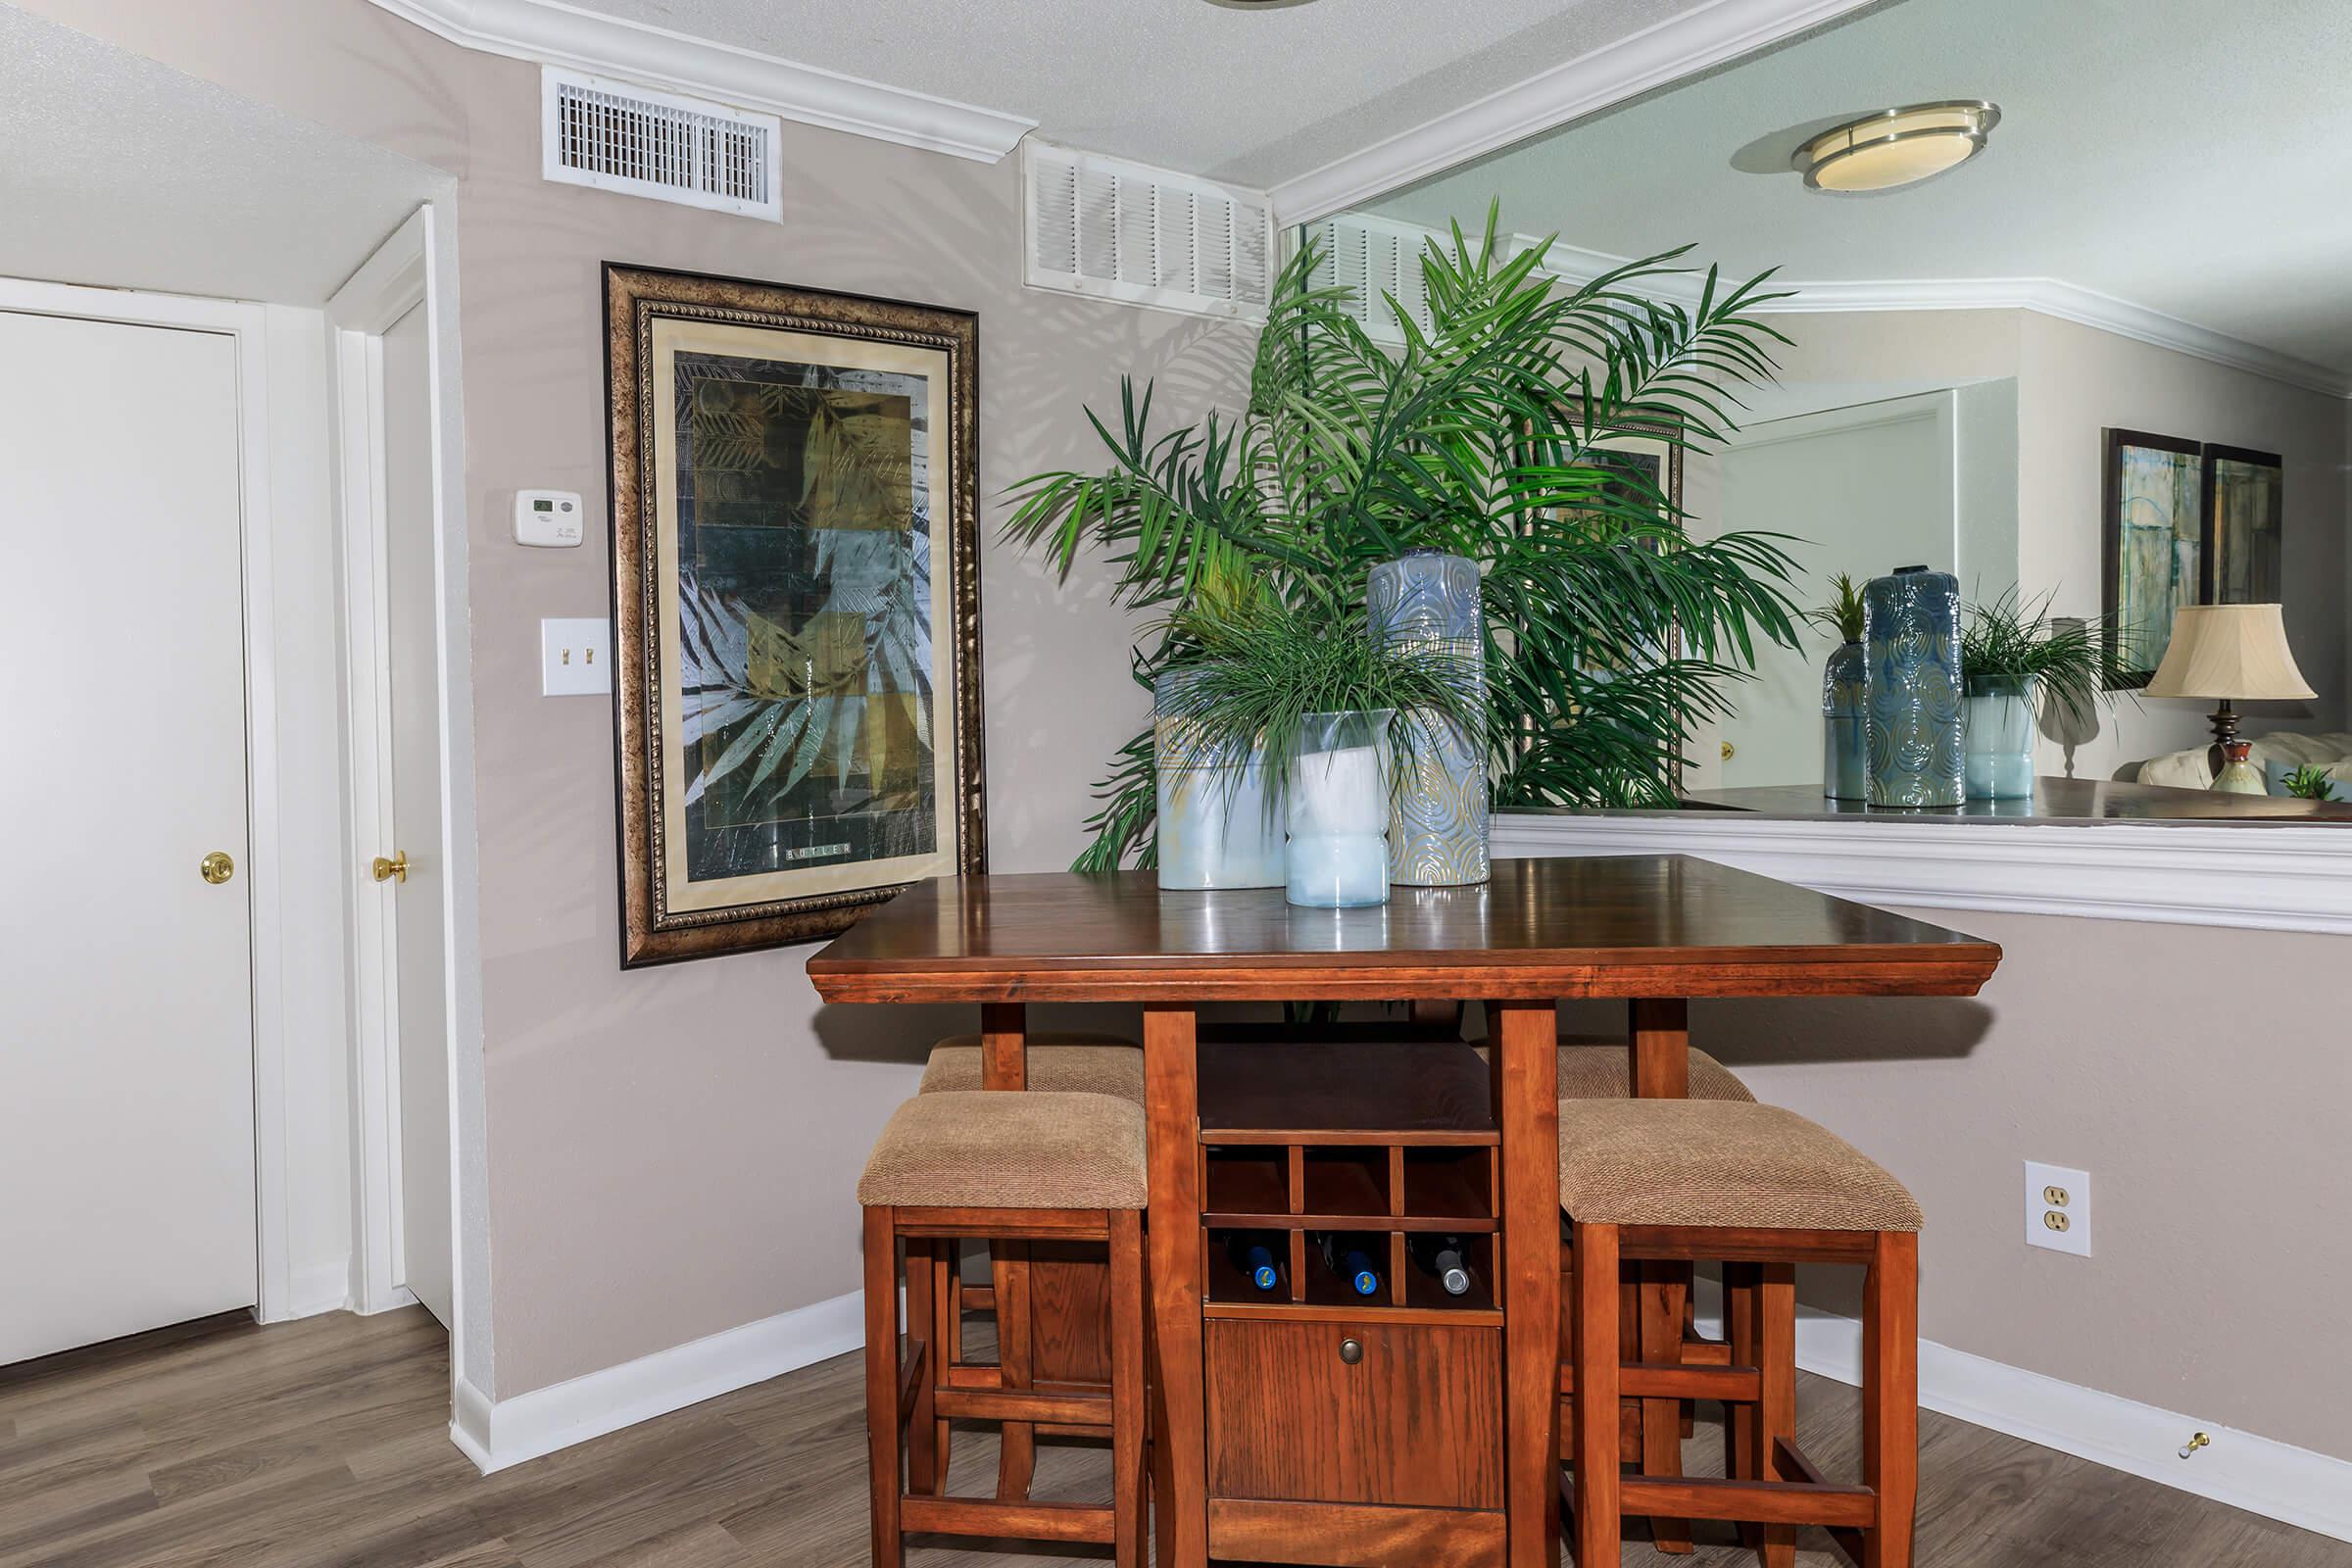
(1255, 1258)
(1441, 1258)
(1352, 1260)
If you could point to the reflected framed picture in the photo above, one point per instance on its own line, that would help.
(2244, 512)
(796, 602)
(2153, 545)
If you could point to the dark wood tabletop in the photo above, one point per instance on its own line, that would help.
(1610, 926)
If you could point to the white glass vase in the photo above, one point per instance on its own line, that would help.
(1337, 854)
(1219, 826)
(1999, 723)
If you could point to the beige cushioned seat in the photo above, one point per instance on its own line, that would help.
(983, 1149)
(1591, 1071)
(1709, 1162)
(1058, 1063)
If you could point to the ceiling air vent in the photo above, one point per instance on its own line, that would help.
(1375, 257)
(1148, 237)
(616, 136)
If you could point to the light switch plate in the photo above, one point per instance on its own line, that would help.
(2058, 1208)
(575, 657)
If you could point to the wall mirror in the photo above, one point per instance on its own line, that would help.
(2129, 243)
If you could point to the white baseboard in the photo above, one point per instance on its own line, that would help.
(2273, 1479)
(497, 1434)
(2263, 1476)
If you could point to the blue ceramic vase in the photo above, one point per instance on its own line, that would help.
(1429, 600)
(1845, 723)
(1911, 641)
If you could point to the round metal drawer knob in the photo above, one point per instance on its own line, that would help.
(1351, 1352)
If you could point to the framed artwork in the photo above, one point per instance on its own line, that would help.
(2153, 545)
(796, 607)
(2245, 508)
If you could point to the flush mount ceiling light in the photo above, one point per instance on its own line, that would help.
(1896, 146)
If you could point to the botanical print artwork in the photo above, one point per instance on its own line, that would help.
(2155, 529)
(804, 562)
(2243, 511)
(795, 573)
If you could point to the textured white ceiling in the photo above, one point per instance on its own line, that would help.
(1255, 97)
(2190, 156)
(117, 172)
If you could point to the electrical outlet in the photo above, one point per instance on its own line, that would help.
(575, 657)
(2058, 1208)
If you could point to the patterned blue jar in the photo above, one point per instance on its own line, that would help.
(1911, 640)
(1845, 724)
(1427, 599)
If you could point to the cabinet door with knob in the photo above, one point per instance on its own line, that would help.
(1368, 1412)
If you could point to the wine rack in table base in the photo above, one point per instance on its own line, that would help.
(1335, 1418)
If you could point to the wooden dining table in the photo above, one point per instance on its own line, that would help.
(1438, 1442)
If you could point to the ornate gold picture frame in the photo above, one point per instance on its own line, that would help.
(796, 607)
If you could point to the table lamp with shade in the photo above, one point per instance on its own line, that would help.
(2225, 652)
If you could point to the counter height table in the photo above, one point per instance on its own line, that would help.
(1418, 1428)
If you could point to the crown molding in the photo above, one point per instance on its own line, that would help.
(2069, 302)
(548, 33)
(1706, 36)
(2050, 296)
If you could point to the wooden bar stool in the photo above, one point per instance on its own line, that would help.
(1763, 1189)
(1598, 1067)
(1058, 1063)
(972, 1165)
(1049, 1323)
(1654, 1312)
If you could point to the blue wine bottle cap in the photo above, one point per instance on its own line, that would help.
(1264, 1277)
(1366, 1282)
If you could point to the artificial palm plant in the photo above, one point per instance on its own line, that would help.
(1610, 632)
(2066, 658)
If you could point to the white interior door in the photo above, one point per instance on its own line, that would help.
(419, 909)
(127, 1147)
(1867, 489)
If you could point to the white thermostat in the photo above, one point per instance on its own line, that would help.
(549, 518)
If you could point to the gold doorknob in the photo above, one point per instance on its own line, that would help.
(217, 867)
(396, 869)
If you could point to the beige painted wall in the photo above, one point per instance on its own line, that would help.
(672, 1152)
(2191, 1070)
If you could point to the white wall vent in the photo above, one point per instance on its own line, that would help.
(616, 135)
(1376, 257)
(1148, 236)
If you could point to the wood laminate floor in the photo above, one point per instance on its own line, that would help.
(324, 1443)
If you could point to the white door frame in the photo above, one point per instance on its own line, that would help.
(396, 279)
(274, 982)
(390, 284)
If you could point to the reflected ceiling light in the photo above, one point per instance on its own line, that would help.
(1896, 146)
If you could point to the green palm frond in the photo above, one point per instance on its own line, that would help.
(1612, 630)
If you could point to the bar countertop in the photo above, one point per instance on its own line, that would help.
(2069, 802)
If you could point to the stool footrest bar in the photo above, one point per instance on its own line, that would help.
(1006, 1405)
(1770, 1503)
(979, 1516)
